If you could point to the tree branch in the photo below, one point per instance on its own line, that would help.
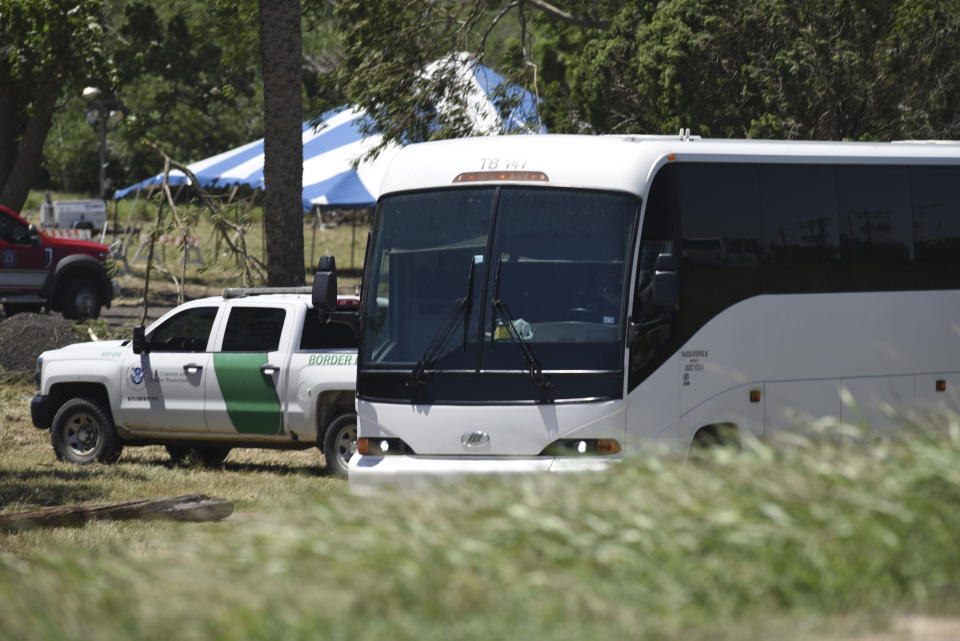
(493, 23)
(189, 507)
(578, 21)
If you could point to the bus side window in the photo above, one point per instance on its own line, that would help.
(876, 230)
(800, 229)
(935, 196)
(722, 239)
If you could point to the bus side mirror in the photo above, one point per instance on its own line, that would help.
(325, 296)
(666, 287)
(140, 345)
(325, 286)
(665, 263)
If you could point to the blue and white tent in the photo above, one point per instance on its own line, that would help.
(329, 179)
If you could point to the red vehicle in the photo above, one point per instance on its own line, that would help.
(39, 271)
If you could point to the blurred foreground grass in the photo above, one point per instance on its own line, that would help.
(821, 541)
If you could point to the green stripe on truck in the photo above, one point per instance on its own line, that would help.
(252, 402)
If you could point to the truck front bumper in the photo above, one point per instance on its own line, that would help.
(40, 412)
(402, 471)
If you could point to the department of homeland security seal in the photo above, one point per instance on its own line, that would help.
(136, 377)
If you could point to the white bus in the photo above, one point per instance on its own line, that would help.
(551, 302)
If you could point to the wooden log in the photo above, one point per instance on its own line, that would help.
(189, 507)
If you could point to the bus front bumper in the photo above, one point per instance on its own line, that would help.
(402, 471)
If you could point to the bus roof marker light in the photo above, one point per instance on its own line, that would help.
(501, 176)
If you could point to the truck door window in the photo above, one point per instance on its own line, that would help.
(320, 335)
(13, 231)
(253, 329)
(187, 331)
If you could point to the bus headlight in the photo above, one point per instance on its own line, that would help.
(582, 447)
(382, 446)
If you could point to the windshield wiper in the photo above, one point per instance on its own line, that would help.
(500, 309)
(461, 307)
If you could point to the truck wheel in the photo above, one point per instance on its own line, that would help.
(80, 299)
(82, 432)
(207, 455)
(339, 443)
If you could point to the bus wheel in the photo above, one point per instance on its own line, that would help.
(722, 435)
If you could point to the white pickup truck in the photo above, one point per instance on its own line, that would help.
(250, 368)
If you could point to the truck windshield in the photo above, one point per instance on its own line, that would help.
(496, 280)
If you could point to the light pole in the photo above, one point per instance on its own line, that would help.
(102, 116)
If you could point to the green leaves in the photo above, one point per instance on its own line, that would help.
(810, 69)
(815, 69)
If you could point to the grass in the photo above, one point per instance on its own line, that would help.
(807, 542)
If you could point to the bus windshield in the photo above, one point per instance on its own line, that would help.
(496, 280)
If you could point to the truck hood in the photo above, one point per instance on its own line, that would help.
(87, 351)
(75, 245)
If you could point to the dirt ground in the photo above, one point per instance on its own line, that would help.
(24, 336)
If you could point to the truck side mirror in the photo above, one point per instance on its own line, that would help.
(140, 345)
(325, 286)
(34, 235)
(666, 287)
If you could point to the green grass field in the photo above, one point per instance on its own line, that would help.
(826, 540)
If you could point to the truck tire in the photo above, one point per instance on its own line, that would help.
(339, 443)
(207, 455)
(82, 432)
(80, 298)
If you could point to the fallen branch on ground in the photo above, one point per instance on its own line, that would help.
(189, 507)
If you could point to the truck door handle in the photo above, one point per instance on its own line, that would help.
(192, 368)
(269, 370)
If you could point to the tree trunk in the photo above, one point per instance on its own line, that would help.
(15, 185)
(280, 48)
(8, 123)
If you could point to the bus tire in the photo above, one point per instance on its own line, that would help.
(339, 443)
(720, 435)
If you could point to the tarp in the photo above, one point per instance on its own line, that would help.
(329, 179)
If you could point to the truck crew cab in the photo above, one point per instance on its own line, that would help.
(42, 271)
(250, 368)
